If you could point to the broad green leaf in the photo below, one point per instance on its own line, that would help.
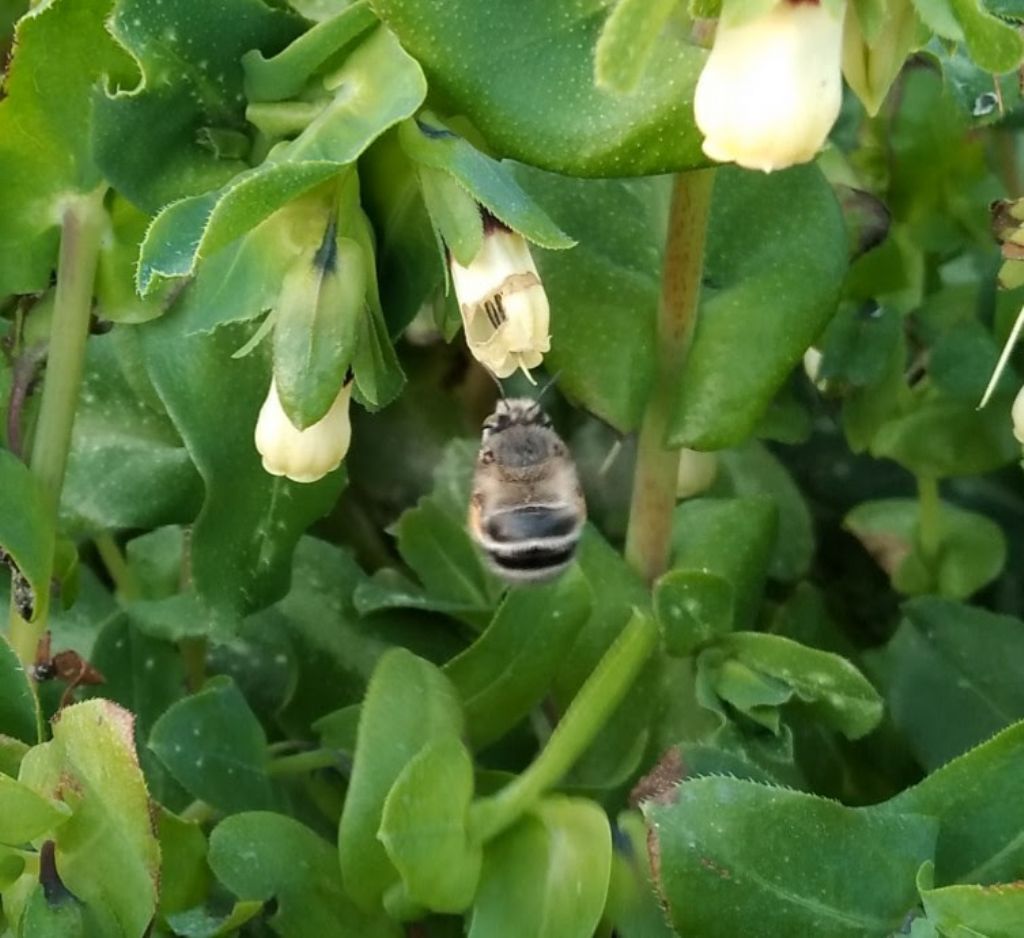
(199, 923)
(264, 856)
(971, 549)
(423, 827)
(184, 876)
(604, 292)
(153, 136)
(615, 754)
(410, 703)
(548, 876)
(24, 815)
(941, 437)
(489, 181)
(62, 51)
(128, 467)
(732, 852)
(26, 535)
(437, 547)
(775, 257)
(981, 818)
(962, 911)
(19, 707)
(388, 589)
(627, 41)
(633, 907)
(720, 553)
(454, 214)
(511, 666)
(199, 226)
(857, 344)
(950, 676)
(215, 748)
(993, 44)
(284, 75)
(243, 539)
(106, 852)
(832, 688)
(524, 75)
(753, 469)
(12, 751)
(59, 917)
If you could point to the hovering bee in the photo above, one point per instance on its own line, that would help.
(526, 511)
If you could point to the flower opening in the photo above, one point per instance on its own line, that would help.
(504, 308)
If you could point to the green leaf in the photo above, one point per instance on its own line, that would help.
(284, 75)
(454, 214)
(489, 181)
(775, 257)
(423, 827)
(633, 906)
(974, 797)
(198, 923)
(26, 535)
(605, 359)
(148, 135)
(510, 667)
(993, 44)
(940, 437)
(184, 876)
(553, 116)
(733, 852)
(971, 550)
(200, 226)
(548, 876)
(216, 749)
(106, 852)
(263, 856)
(128, 467)
(951, 678)
(410, 703)
(62, 51)
(754, 470)
(244, 536)
(832, 689)
(721, 549)
(19, 707)
(58, 918)
(439, 550)
(24, 815)
(992, 911)
(627, 41)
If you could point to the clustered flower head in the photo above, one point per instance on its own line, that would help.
(303, 455)
(504, 307)
(771, 88)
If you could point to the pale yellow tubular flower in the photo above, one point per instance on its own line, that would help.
(504, 308)
(303, 455)
(1017, 414)
(771, 88)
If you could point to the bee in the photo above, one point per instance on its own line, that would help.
(526, 511)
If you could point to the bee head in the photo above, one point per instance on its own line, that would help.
(515, 412)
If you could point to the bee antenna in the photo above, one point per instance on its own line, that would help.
(497, 381)
(544, 390)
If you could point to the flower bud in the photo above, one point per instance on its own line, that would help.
(303, 455)
(503, 303)
(1017, 414)
(771, 88)
(696, 472)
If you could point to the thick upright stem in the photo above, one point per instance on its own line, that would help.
(929, 518)
(654, 480)
(81, 229)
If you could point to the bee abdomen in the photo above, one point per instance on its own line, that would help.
(531, 543)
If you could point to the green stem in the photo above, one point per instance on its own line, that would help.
(929, 522)
(303, 762)
(193, 659)
(657, 465)
(587, 714)
(81, 229)
(125, 581)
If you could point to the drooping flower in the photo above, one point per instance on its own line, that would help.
(303, 455)
(504, 307)
(771, 88)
